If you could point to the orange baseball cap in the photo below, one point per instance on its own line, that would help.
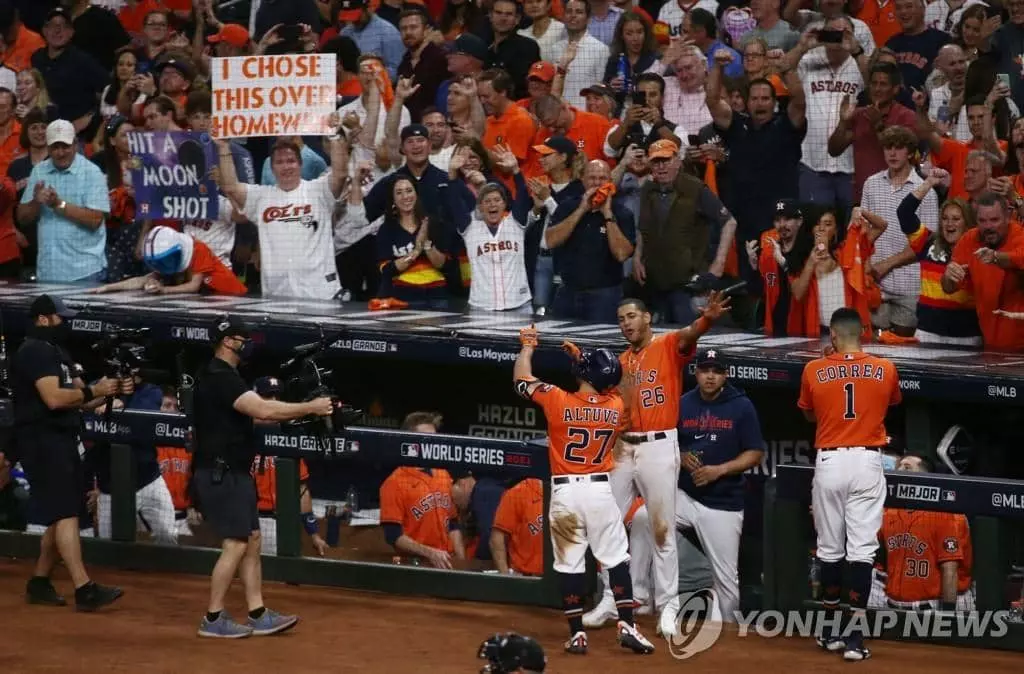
(661, 31)
(231, 34)
(351, 10)
(662, 149)
(542, 70)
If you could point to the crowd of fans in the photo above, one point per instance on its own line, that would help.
(547, 157)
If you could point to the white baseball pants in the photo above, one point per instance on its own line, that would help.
(583, 514)
(154, 513)
(848, 499)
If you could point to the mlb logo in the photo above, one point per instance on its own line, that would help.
(949, 495)
(177, 333)
(950, 545)
(411, 450)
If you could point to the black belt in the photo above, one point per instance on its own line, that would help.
(180, 515)
(835, 449)
(545, 252)
(602, 477)
(268, 513)
(637, 438)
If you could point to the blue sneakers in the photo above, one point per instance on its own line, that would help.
(272, 622)
(223, 628)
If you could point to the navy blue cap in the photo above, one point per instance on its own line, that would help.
(788, 208)
(712, 357)
(415, 130)
(267, 387)
(470, 45)
(44, 305)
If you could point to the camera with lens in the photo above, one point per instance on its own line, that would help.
(122, 350)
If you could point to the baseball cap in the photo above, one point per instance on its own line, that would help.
(60, 131)
(230, 34)
(470, 45)
(662, 149)
(229, 326)
(351, 10)
(711, 358)
(181, 65)
(598, 90)
(44, 305)
(556, 144)
(267, 386)
(58, 11)
(542, 70)
(788, 208)
(415, 130)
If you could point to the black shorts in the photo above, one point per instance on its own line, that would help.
(230, 507)
(54, 471)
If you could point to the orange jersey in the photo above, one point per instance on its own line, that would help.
(653, 383)
(588, 131)
(952, 156)
(420, 500)
(217, 277)
(520, 516)
(18, 55)
(582, 429)
(514, 128)
(850, 394)
(916, 543)
(881, 19)
(132, 18)
(266, 482)
(175, 466)
(995, 288)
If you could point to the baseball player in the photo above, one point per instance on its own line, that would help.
(264, 471)
(176, 469)
(847, 394)
(419, 516)
(516, 545)
(583, 427)
(649, 464)
(512, 654)
(928, 556)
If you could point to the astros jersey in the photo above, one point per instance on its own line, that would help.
(296, 238)
(420, 500)
(653, 383)
(520, 515)
(582, 429)
(849, 394)
(219, 234)
(916, 543)
(497, 264)
(175, 466)
(218, 279)
(266, 482)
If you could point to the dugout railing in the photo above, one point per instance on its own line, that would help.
(288, 444)
(991, 505)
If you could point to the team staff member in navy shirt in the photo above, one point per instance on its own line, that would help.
(720, 438)
(477, 500)
(916, 47)
(591, 236)
(764, 152)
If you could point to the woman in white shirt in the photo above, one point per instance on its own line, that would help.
(545, 30)
(495, 236)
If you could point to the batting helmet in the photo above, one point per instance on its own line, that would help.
(511, 653)
(599, 368)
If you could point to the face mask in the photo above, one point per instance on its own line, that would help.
(55, 334)
(245, 351)
(888, 462)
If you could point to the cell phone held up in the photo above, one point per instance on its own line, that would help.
(829, 36)
(639, 98)
(289, 33)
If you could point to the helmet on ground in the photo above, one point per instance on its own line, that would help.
(599, 368)
(511, 652)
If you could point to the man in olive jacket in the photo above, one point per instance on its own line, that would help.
(683, 230)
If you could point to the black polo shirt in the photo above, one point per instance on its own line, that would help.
(584, 261)
(74, 80)
(515, 54)
(221, 430)
(100, 34)
(763, 168)
(37, 359)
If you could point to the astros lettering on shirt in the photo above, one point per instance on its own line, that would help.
(176, 466)
(520, 517)
(296, 238)
(498, 264)
(826, 87)
(420, 501)
(266, 482)
(917, 542)
(219, 234)
(653, 383)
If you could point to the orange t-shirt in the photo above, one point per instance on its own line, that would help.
(881, 19)
(9, 249)
(995, 288)
(218, 278)
(513, 128)
(10, 147)
(952, 156)
(582, 429)
(18, 56)
(520, 516)
(916, 543)
(588, 131)
(266, 482)
(352, 87)
(420, 500)
(175, 466)
(850, 394)
(653, 383)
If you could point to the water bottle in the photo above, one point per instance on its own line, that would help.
(815, 577)
(622, 71)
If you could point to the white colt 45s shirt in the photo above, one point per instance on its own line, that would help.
(296, 239)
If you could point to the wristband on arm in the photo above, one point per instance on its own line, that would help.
(309, 523)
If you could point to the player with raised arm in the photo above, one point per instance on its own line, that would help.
(847, 394)
(583, 427)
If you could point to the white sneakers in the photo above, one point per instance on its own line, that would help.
(604, 612)
(667, 626)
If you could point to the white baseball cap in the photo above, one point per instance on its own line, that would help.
(60, 131)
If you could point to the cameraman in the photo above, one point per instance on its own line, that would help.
(47, 400)
(225, 408)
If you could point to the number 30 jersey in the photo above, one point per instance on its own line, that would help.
(850, 394)
(652, 383)
(582, 429)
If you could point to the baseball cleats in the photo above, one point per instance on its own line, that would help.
(604, 612)
(93, 596)
(41, 591)
(272, 622)
(223, 628)
(629, 637)
(855, 650)
(667, 627)
(577, 644)
(831, 644)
